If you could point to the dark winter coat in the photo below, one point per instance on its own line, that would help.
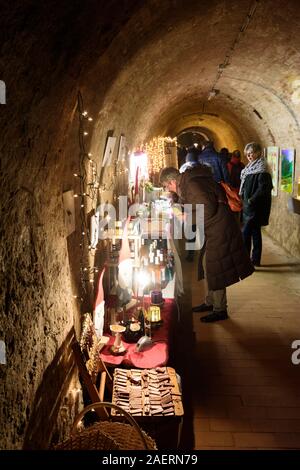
(227, 260)
(256, 195)
(211, 158)
(235, 166)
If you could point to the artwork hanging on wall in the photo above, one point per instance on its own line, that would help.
(287, 169)
(109, 150)
(273, 163)
(94, 234)
(122, 149)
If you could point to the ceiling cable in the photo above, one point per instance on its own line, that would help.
(213, 91)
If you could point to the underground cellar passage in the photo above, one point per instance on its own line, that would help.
(96, 98)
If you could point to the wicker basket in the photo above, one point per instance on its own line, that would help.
(107, 435)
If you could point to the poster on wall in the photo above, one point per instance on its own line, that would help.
(94, 234)
(122, 149)
(109, 150)
(273, 164)
(287, 169)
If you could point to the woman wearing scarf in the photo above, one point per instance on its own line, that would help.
(255, 190)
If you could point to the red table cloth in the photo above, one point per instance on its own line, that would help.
(158, 353)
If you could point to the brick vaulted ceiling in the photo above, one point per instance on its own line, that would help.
(147, 67)
(179, 51)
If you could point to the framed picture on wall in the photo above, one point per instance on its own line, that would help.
(122, 149)
(272, 155)
(109, 150)
(287, 169)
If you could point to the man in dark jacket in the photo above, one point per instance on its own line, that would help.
(191, 159)
(226, 258)
(211, 158)
(235, 167)
(255, 190)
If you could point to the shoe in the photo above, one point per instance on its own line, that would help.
(215, 316)
(203, 308)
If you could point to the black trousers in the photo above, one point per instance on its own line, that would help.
(252, 239)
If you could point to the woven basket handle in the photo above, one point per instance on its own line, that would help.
(105, 404)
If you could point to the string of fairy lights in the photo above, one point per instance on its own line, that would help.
(89, 189)
(88, 182)
(156, 151)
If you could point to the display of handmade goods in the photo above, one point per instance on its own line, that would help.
(139, 265)
(148, 392)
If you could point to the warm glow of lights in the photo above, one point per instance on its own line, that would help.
(139, 160)
(158, 151)
(143, 279)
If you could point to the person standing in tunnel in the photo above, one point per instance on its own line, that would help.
(225, 155)
(255, 190)
(235, 167)
(226, 258)
(210, 157)
(191, 160)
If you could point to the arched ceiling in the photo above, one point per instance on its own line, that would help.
(164, 86)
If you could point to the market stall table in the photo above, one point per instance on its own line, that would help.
(157, 354)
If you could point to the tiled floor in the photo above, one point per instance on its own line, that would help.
(246, 391)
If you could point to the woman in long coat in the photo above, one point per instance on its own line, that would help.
(256, 187)
(226, 258)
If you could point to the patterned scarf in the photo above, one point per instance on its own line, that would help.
(257, 166)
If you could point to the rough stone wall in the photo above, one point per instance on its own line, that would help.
(43, 52)
(284, 226)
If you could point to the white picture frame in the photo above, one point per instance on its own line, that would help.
(122, 149)
(272, 154)
(109, 150)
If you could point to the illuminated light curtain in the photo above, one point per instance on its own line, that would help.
(161, 152)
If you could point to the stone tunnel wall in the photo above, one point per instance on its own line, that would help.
(42, 67)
